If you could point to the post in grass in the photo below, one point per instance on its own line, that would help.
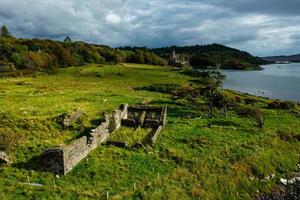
(134, 186)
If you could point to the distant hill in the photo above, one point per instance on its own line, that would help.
(202, 56)
(292, 58)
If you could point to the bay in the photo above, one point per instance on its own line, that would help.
(278, 81)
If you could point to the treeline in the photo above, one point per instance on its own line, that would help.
(212, 55)
(49, 55)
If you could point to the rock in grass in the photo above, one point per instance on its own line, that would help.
(291, 191)
(4, 158)
(69, 118)
(284, 181)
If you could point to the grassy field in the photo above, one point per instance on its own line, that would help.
(194, 157)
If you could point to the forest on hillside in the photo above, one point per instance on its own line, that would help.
(49, 55)
(214, 54)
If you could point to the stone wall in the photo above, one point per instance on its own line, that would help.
(145, 116)
(61, 160)
(75, 152)
(155, 135)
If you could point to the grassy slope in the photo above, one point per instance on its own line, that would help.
(193, 158)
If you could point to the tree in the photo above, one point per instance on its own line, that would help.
(5, 32)
(212, 79)
(254, 115)
(68, 39)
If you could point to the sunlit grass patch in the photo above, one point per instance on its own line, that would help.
(131, 136)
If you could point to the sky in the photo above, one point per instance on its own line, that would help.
(261, 27)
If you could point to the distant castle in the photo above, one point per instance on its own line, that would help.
(179, 59)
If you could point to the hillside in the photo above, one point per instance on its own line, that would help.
(211, 55)
(195, 157)
(292, 58)
(26, 55)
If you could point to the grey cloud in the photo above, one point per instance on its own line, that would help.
(277, 7)
(260, 27)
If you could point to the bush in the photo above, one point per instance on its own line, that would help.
(255, 115)
(283, 105)
(251, 101)
(7, 68)
(289, 136)
(163, 88)
(238, 99)
(8, 141)
(37, 61)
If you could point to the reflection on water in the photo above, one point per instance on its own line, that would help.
(275, 81)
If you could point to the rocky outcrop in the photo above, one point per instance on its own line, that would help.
(4, 158)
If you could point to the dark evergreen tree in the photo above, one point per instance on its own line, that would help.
(68, 39)
(5, 32)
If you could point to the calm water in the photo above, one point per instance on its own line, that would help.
(275, 81)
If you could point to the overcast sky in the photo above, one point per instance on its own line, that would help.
(261, 27)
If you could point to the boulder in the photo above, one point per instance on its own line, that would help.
(4, 158)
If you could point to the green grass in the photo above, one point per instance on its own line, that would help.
(219, 158)
(131, 136)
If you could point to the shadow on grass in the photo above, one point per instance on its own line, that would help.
(223, 123)
(177, 109)
(31, 164)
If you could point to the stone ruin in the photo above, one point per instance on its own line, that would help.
(145, 117)
(61, 160)
(69, 118)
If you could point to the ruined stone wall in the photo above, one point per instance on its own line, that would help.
(61, 160)
(75, 152)
(146, 116)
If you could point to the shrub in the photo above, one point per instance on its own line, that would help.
(238, 99)
(221, 102)
(251, 101)
(284, 105)
(8, 140)
(289, 136)
(7, 68)
(167, 88)
(37, 61)
(255, 115)
(78, 59)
